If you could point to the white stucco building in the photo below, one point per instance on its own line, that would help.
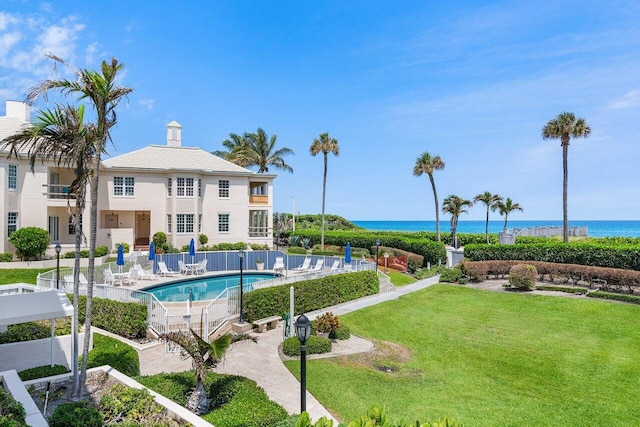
(180, 190)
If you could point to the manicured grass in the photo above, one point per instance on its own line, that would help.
(491, 359)
(400, 279)
(20, 275)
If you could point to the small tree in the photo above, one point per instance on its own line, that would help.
(523, 276)
(203, 239)
(30, 242)
(160, 240)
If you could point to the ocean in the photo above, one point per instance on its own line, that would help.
(595, 228)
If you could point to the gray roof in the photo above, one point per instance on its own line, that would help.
(165, 158)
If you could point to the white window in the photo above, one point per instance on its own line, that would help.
(13, 177)
(168, 223)
(223, 223)
(71, 227)
(199, 187)
(12, 222)
(169, 186)
(123, 186)
(185, 187)
(223, 188)
(184, 223)
(199, 223)
(258, 223)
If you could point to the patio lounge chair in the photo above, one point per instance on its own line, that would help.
(109, 278)
(278, 266)
(304, 267)
(336, 265)
(131, 278)
(144, 274)
(318, 265)
(164, 270)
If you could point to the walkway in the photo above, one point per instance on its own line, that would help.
(261, 362)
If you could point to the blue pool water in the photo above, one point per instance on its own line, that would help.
(203, 288)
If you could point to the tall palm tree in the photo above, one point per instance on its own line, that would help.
(455, 206)
(62, 137)
(426, 163)
(205, 356)
(506, 207)
(255, 149)
(324, 144)
(565, 126)
(491, 202)
(104, 94)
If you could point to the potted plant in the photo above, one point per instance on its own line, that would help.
(259, 264)
(326, 323)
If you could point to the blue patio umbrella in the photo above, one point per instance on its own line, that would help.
(347, 254)
(152, 251)
(192, 249)
(120, 259)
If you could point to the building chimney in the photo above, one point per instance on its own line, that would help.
(19, 110)
(174, 134)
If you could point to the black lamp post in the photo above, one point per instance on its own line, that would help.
(303, 330)
(58, 249)
(377, 247)
(241, 256)
(277, 240)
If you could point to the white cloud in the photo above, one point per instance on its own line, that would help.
(89, 52)
(147, 103)
(628, 100)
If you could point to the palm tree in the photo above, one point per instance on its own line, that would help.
(255, 149)
(506, 207)
(454, 206)
(565, 126)
(205, 357)
(491, 202)
(101, 89)
(62, 137)
(324, 144)
(426, 163)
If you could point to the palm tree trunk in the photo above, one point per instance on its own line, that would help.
(565, 184)
(324, 192)
(91, 272)
(435, 199)
(76, 298)
(486, 226)
(454, 227)
(506, 216)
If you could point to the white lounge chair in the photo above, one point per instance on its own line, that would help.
(336, 265)
(306, 264)
(109, 278)
(164, 270)
(131, 278)
(144, 274)
(318, 265)
(278, 266)
(82, 283)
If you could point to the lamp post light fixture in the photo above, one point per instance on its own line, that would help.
(293, 210)
(58, 249)
(377, 247)
(241, 256)
(303, 330)
(386, 260)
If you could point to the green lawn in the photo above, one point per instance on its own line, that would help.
(20, 275)
(491, 359)
(400, 279)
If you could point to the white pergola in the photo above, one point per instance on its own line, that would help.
(34, 304)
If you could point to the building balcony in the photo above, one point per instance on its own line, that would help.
(255, 199)
(58, 194)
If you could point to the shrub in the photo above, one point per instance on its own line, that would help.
(567, 289)
(523, 276)
(101, 251)
(342, 332)
(310, 294)
(160, 242)
(451, 275)
(327, 323)
(297, 250)
(125, 247)
(76, 414)
(30, 242)
(618, 297)
(127, 319)
(131, 406)
(375, 416)
(34, 330)
(315, 345)
(11, 412)
(203, 239)
(110, 351)
(42, 371)
(6, 257)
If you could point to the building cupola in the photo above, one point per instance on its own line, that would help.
(174, 134)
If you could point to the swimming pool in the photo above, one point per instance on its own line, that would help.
(203, 288)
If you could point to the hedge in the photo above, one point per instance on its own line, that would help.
(315, 345)
(415, 243)
(592, 254)
(566, 289)
(618, 297)
(310, 294)
(603, 277)
(12, 412)
(127, 319)
(42, 371)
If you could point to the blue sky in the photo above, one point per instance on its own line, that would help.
(471, 81)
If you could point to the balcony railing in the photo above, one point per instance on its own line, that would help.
(258, 232)
(255, 199)
(58, 191)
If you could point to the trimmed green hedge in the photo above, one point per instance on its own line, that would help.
(315, 345)
(35, 330)
(42, 371)
(127, 319)
(601, 255)
(310, 294)
(417, 243)
(567, 289)
(12, 413)
(110, 351)
(618, 297)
